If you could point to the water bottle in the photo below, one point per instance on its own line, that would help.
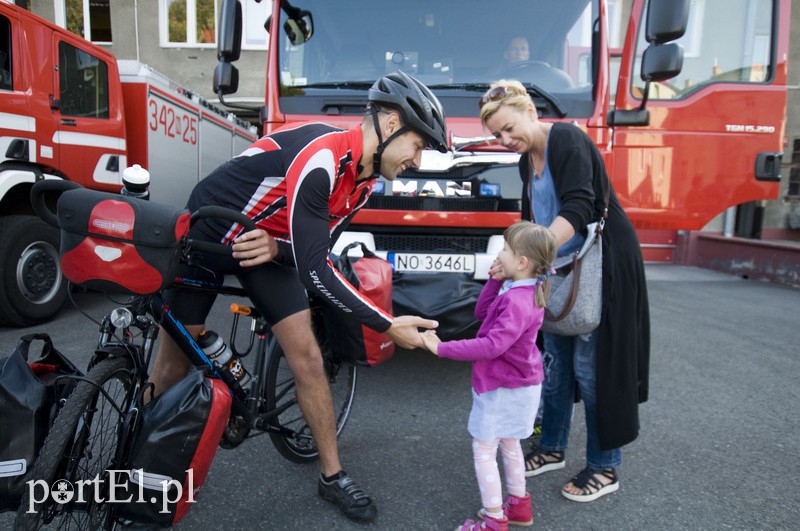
(222, 357)
(136, 182)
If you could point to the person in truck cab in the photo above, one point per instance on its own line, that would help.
(302, 185)
(517, 51)
(516, 54)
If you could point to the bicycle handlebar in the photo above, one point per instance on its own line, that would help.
(218, 213)
(37, 197)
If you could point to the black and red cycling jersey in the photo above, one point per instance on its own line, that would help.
(299, 184)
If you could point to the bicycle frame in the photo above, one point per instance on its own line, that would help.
(245, 402)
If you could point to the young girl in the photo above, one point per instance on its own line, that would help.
(506, 371)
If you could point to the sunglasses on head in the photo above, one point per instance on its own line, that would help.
(496, 94)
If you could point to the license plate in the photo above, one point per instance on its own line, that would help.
(433, 263)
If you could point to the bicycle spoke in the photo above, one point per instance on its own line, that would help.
(301, 446)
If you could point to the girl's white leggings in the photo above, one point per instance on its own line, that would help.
(488, 473)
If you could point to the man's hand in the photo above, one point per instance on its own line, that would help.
(254, 248)
(404, 330)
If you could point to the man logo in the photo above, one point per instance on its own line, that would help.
(62, 491)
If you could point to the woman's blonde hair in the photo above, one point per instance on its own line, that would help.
(508, 92)
(539, 245)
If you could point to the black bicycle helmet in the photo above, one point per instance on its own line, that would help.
(418, 107)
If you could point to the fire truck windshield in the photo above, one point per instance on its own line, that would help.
(547, 43)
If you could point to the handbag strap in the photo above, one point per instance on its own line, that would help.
(601, 223)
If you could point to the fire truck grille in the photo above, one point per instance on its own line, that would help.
(431, 244)
(442, 204)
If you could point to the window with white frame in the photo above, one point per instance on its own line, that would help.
(194, 23)
(91, 19)
(188, 22)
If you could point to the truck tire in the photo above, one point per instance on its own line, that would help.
(32, 288)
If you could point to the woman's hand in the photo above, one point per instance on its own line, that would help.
(254, 248)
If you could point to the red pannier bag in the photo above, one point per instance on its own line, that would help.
(173, 449)
(119, 244)
(348, 339)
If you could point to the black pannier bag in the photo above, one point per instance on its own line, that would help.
(349, 340)
(447, 298)
(173, 449)
(120, 244)
(29, 393)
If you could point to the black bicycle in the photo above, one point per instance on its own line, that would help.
(95, 428)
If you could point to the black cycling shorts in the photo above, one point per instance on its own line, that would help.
(274, 289)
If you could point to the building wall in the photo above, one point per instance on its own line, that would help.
(194, 68)
(190, 67)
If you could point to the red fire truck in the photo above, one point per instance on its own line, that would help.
(703, 132)
(70, 110)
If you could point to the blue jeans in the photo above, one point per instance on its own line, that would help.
(572, 359)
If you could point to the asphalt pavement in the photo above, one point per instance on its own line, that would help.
(718, 447)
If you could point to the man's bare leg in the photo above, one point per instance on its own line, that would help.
(302, 352)
(171, 364)
(295, 335)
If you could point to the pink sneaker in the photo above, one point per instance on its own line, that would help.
(487, 522)
(518, 510)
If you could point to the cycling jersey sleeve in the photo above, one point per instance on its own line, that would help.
(311, 240)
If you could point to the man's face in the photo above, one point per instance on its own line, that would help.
(402, 153)
(517, 50)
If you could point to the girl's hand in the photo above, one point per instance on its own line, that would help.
(496, 270)
(431, 341)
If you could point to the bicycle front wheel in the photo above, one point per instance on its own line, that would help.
(71, 469)
(295, 441)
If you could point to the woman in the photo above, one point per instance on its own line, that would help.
(563, 181)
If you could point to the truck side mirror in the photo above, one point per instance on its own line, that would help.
(226, 78)
(666, 20)
(230, 31)
(299, 27)
(662, 61)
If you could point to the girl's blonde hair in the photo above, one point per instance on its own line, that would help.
(539, 245)
(508, 92)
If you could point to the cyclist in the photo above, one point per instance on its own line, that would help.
(301, 185)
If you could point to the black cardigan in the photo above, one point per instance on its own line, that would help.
(623, 348)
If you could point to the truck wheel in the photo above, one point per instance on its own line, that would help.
(33, 288)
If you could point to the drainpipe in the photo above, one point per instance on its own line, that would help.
(729, 222)
(136, 26)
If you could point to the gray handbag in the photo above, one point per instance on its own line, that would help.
(576, 290)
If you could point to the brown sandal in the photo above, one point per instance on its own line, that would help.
(539, 462)
(590, 485)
